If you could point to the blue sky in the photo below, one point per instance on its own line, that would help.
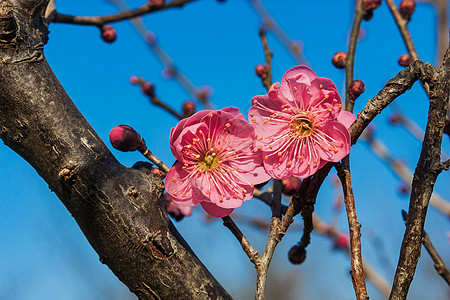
(43, 254)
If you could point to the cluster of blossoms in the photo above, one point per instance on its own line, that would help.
(294, 130)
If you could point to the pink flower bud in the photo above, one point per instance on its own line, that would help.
(203, 93)
(406, 8)
(261, 71)
(290, 185)
(124, 138)
(396, 118)
(150, 37)
(135, 80)
(168, 72)
(177, 211)
(156, 3)
(371, 4)
(188, 108)
(108, 33)
(297, 255)
(342, 241)
(157, 172)
(356, 88)
(404, 60)
(148, 89)
(339, 59)
(404, 189)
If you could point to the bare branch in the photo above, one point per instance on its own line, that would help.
(147, 8)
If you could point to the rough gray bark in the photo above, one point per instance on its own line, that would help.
(118, 209)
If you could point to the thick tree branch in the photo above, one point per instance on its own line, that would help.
(118, 209)
(424, 178)
(402, 82)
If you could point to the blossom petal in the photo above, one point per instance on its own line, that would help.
(346, 118)
(177, 184)
(215, 210)
(334, 139)
(294, 85)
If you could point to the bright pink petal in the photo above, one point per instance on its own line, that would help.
(294, 85)
(346, 118)
(184, 148)
(216, 211)
(333, 141)
(177, 184)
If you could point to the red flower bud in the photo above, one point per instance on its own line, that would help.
(188, 108)
(203, 94)
(150, 37)
(356, 88)
(371, 4)
(108, 33)
(168, 72)
(404, 60)
(368, 15)
(135, 80)
(342, 241)
(156, 3)
(148, 89)
(290, 185)
(396, 118)
(297, 255)
(404, 189)
(125, 138)
(261, 71)
(406, 8)
(339, 59)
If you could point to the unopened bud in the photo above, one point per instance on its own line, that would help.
(168, 72)
(368, 15)
(156, 3)
(356, 88)
(148, 89)
(124, 138)
(135, 79)
(297, 255)
(406, 8)
(261, 71)
(404, 189)
(342, 241)
(290, 185)
(371, 4)
(339, 59)
(396, 118)
(150, 37)
(188, 108)
(296, 48)
(203, 94)
(108, 33)
(404, 60)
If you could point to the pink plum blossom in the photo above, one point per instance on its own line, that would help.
(299, 124)
(217, 163)
(177, 211)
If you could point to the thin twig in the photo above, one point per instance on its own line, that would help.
(349, 64)
(156, 101)
(357, 271)
(165, 59)
(153, 158)
(252, 254)
(267, 80)
(439, 263)
(124, 15)
(270, 24)
(403, 172)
